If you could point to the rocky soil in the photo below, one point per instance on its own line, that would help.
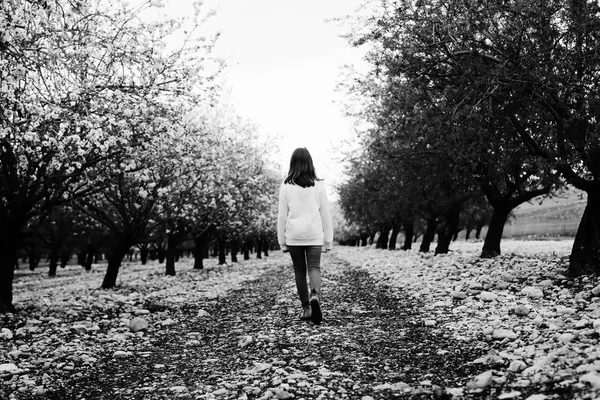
(396, 325)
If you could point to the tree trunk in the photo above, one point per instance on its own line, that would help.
(91, 254)
(65, 256)
(258, 250)
(144, 253)
(382, 241)
(54, 254)
(199, 245)
(246, 251)
(222, 244)
(478, 231)
(468, 233)
(428, 235)
(117, 254)
(409, 231)
(585, 254)
(9, 245)
(265, 246)
(491, 245)
(393, 238)
(364, 240)
(235, 246)
(172, 243)
(448, 230)
(34, 261)
(33, 256)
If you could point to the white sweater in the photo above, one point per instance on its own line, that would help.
(304, 217)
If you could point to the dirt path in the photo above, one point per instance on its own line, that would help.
(250, 345)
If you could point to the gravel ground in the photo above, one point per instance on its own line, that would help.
(390, 329)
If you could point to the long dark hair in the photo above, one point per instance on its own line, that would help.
(302, 170)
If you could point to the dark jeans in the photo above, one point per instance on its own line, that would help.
(306, 259)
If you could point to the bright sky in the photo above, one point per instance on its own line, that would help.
(284, 62)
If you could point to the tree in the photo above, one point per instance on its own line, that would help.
(423, 64)
(70, 75)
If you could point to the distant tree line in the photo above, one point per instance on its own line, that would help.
(469, 109)
(112, 137)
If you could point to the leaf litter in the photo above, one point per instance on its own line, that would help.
(397, 324)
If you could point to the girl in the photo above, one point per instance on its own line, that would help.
(304, 229)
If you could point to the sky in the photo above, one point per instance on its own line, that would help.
(284, 62)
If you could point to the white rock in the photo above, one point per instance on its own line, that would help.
(596, 290)
(121, 354)
(521, 310)
(6, 334)
(532, 292)
(220, 392)
(282, 394)
(79, 329)
(203, 313)
(8, 367)
(503, 333)
(481, 381)
(566, 338)
(565, 310)
(502, 285)
(517, 366)
(138, 324)
(593, 378)
(537, 397)
(245, 341)
(509, 395)
(141, 311)
(178, 389)
(582, 323)
(488, 296)
(458, 295)
(395, 387)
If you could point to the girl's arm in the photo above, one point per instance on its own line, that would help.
(326, 219)
(281, 218)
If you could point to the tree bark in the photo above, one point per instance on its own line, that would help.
(199, 245)
(117, 254)
(364, 240)
(393, 238)
(448, 230)
(491, 245)
(172, 243)
(468, 233)
(91, 253)
(9, 244)
(222, 244)
(585, 254)
(258, 249)
(54, 254)
(409, 231)
(235, 246)
(428, 235)
(246, 251)
(382, 240)
(144, 253)
(33, 256)
(65, 256)
(478, 230)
